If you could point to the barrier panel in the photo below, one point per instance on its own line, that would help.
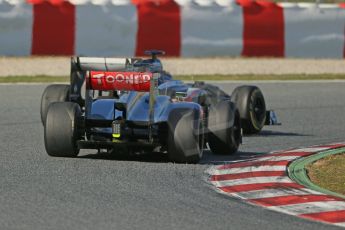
(188, 28)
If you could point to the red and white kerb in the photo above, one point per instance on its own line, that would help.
(264, 181)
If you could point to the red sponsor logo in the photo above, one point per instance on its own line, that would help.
(131, 81)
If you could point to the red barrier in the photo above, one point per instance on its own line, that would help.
(159, 27)
(263, 32)
(53, 29)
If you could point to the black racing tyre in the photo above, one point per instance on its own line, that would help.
(224, 125)
(185, 136)
(61, 129)
(252, 108)
(53, 93)
(214, 93)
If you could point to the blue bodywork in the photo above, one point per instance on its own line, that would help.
(137, 106)
(141, 119)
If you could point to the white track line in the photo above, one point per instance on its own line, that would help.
(252, 180)
(267, 193)
(310, 207)
(308, 150)
(217, 171)
(341, 224)
(276, 158)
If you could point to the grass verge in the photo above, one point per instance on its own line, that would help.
(265, 77)
(216, 77)
(328, 173)
(33, 79)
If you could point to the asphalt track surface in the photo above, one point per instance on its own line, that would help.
(147, 192)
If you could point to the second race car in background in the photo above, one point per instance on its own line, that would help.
(133, 105)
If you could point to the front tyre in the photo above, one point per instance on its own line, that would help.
(185, 136)
(61, 130)
(252, 108)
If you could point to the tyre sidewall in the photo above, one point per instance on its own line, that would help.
(245, 97)
(53, 93)
(221, 133)
(61, 131)
(256, 123)
(184, 133)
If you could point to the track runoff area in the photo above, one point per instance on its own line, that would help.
(269, 181)
(171, 181)
(266, 181)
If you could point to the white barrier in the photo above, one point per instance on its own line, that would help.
(15, 29)
(106, 30)
(314, 32)
(212, 31)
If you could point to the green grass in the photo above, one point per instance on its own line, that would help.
(329, 173)
(253, 77)
(33, 79)
(216, 77)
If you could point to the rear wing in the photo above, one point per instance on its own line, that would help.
(128, 81)
(84, 69)
(101, 64)
(81, 65)
(105, 74)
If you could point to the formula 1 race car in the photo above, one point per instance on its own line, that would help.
(133, 105)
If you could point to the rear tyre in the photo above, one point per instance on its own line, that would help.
(224, 135)
(185, 136)
(53, 93)
(215, 94)
(61, 130)
(252, 108)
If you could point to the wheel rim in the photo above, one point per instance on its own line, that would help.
(259, 109)
(200, 139)
(236, 132)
